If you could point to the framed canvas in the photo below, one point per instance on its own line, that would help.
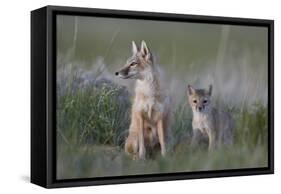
(125, 96)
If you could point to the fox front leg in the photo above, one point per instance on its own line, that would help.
(161, 135)
(142, 150)
(212, 139)
(196, 137)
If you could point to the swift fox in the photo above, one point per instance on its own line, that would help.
(150, 114)
(216, 124)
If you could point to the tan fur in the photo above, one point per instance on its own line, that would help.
(150, 111)
(216, 124)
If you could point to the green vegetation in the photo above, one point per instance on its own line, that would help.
(93, 121)
(93, 116)
(93, 109)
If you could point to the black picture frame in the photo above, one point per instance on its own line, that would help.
(43, 95)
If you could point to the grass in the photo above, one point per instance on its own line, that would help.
(93, 116)
(100, 161)
(93, 121)
(94, 113)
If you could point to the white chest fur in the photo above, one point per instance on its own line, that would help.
(201, 120)
(146, 98)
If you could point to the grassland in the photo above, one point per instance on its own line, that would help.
(93, 107)
(92, 123)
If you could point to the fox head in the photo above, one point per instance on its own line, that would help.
(199, 99)
(138, 64)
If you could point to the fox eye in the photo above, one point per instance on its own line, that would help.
(133, 64)
(195, 101)
(205, 101)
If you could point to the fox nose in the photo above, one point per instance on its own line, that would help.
(116, 73)
(199, 108)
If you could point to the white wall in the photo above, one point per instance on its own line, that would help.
(15, 94)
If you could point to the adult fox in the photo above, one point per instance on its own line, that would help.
(150, 112)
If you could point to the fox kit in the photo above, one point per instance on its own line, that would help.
(207, 120)
(150, 110)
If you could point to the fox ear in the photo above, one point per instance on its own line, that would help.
(190, 90)
(134, 47)
(210, 89)
(144, 48)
